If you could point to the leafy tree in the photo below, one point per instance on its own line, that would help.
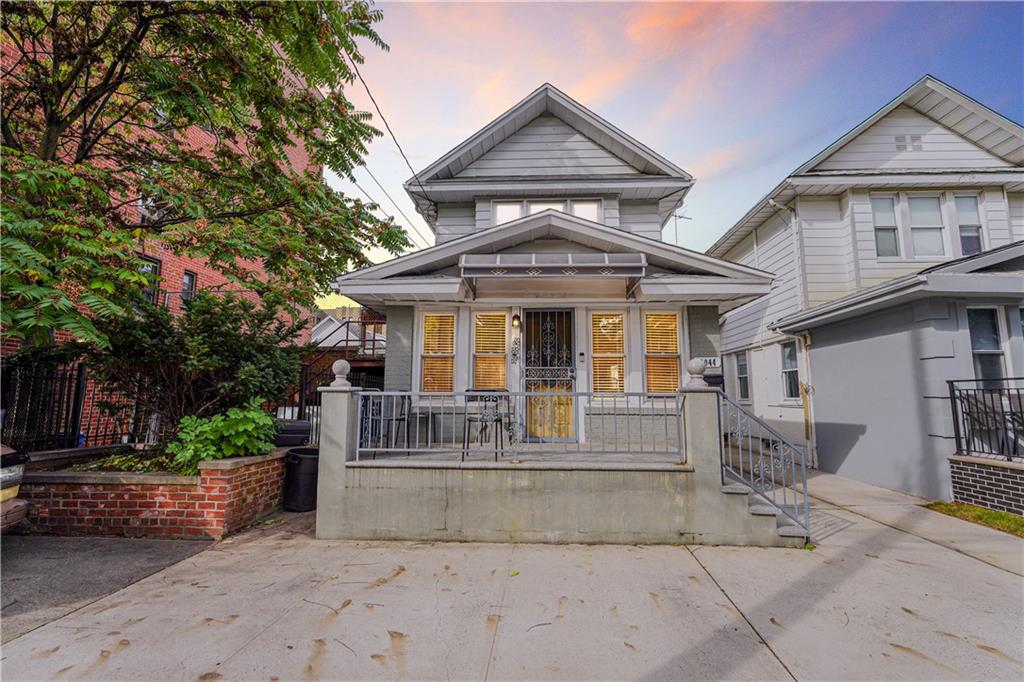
(222, 351)
(100, 110)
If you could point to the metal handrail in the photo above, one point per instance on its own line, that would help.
(783, 475)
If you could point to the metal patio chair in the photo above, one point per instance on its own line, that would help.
(491, 412)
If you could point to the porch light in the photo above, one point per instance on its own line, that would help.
(515, 320)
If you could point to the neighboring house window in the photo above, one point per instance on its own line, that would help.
(969, 219)
(886, 235)
(661, 346)
(437, 374)
(608, 352)
(188, 285)
(151, 269)
(926, 225)
(742, 376)
(489, 352)
(790, 374)
(986, 343)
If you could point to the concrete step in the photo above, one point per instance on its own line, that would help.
(763, 510)
(792, 532)
(735, 489)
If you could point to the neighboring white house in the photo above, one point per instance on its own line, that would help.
(931, 177)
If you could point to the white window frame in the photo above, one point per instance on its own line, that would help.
(681, 351)
(473, 312)
(943, 228)
(783, 371)
(625, 348)
(1004, 339)
(567, 205)
(417, 380)
(894, 197)
(982, 231)
(736, 371)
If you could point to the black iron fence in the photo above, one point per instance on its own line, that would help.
(988, 417)
(55, 407)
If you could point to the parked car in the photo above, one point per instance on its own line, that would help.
(12, 467)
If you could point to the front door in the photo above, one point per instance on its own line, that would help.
(549, 367)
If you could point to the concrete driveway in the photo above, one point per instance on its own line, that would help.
(871, 602)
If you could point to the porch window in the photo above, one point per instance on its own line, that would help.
(742, 376)
(926, 226)
(661, 345)
(438, 358)
(489, 352)
(969, 219)
(790, 373)
(608, 352)
(986, 343)
(883, 209)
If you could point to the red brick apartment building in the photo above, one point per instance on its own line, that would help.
(58, 406)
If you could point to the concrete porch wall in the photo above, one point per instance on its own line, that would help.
(558, 502)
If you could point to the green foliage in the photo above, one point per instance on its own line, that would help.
(133, 461)
(97, 115)
(220, 352)
(240, 432)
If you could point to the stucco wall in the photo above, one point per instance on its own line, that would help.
(881, 404)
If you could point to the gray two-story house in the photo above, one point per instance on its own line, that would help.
(898, 266)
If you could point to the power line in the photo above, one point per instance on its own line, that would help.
(395, 204)
(376, 203)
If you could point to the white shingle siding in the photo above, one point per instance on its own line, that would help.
(928, 145)
(1015, 211)
(826, 249)
(640, 217)
(547, 146)
(455, 220)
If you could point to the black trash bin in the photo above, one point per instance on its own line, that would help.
(300, 469)
(291, 432)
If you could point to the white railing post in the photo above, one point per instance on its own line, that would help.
(338, 423)
(702, 433)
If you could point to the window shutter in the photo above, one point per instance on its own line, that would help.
(661, 339)
(608, 351)
(438, 361)
(489, 352)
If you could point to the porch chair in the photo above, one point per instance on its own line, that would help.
(492, 412)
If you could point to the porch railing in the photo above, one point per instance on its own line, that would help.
(757, 456)
(497, 426)
(988, 417)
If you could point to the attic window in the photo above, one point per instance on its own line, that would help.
(909, 143)
(588, 209)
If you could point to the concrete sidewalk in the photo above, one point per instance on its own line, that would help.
(871, 602)
(907, 513)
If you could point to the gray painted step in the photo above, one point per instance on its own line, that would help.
(735, 489)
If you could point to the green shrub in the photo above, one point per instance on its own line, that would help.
(239, 432)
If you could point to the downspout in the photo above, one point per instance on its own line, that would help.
(806, 391)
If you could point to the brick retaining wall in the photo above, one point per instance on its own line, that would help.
(226, 495)
(992, 483)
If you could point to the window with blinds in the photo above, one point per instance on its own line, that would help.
(489, 352)
(608, 353)
(437, 366)
(661, 348)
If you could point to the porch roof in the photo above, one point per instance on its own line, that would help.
(644, 269)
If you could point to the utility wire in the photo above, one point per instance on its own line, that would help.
(395, 204)
(377, 203)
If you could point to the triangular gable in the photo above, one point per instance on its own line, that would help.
(940, 126)
(547, 99)
(555, 225)
(547, 146)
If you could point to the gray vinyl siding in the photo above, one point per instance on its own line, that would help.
(940, 147)
(996, 217)
(640, 217)
(612, 212)
(547, 146)
(401, 344)
(1015, 211)
(775, 253)
(454, 220)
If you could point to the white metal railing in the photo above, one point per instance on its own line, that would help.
(759, 457)
(549, 425)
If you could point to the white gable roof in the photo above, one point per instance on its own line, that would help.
(547, 99)
(972, 136)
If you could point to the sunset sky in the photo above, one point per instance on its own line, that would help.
(736, 94)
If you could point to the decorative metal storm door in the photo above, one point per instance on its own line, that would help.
(549, 367)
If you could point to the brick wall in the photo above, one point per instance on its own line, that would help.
(991, 483)
(227, 495)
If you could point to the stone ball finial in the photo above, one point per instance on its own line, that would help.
(341, 369)
(696, 368)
